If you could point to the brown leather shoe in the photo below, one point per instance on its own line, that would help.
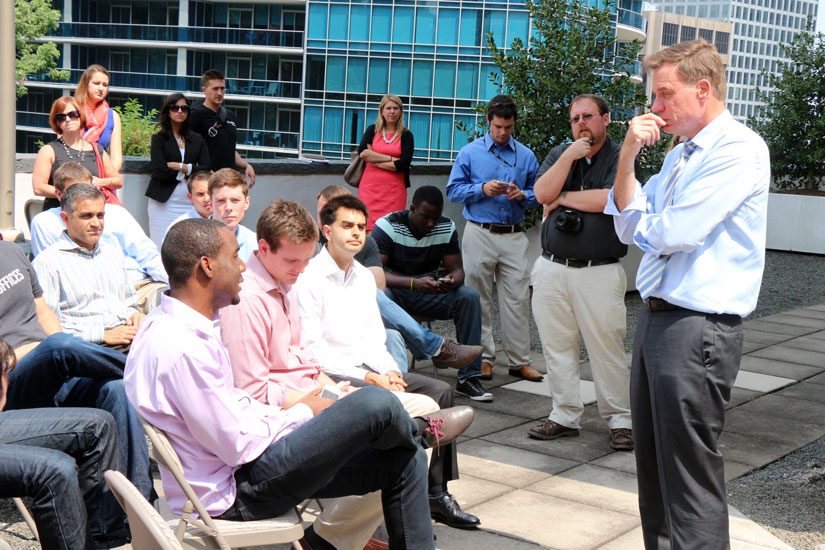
(621, 439)
(551, 430)
(444, 426)
(486, 370)
(527, 372)
(455, 355)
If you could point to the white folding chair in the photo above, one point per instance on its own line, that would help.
(27, 517)
(149, 530)
(205, 532)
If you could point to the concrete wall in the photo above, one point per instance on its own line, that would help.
(300, 182)
(796, 223)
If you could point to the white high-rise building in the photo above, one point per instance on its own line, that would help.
(759, 27)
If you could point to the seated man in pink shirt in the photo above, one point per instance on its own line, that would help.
(262, 334)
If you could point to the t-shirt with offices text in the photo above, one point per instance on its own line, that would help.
(18, 289)
(409, 255)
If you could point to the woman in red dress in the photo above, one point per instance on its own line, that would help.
(387, 147)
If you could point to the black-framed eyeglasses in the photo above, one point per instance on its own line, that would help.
(60, 118)
(179, 108)
(577, 118)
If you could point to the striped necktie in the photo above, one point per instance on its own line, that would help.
(652, 268)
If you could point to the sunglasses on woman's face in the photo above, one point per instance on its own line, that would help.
(61, 117)
(179, 108)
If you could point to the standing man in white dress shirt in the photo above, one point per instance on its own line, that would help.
(701, 223)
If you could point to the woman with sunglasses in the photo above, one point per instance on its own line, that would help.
(67, 120)
(102, 123)
(176, 153)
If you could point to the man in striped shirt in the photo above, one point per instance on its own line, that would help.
(83, 278)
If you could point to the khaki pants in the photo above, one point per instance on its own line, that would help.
(574, 303)
(500, 257)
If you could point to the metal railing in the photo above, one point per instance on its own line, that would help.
(154, 81)
(207, 35)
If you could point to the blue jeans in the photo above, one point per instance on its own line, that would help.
(364, 442)
(58, 457)
(462, 305)
(396, 347)
(66, 371)
(423, 343)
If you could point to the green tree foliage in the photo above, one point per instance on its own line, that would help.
(137, 128)
(791, 118)
(33, 19)
(573, 50)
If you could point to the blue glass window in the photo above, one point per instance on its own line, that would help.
(444, 79)
(470, 27)
(400, 77)
(442, 132)
(467, 81)
(425, 26)
(357, 74)
(333, 124)
(496, 21)
(517, 27)
(340, 15)
(359, 23)
(448, 27)
(312, 123)
(420, 127)
(336, 73)
(422, 80)
(354, 126)
(402, 29)
(381, 23)
(379, 76)
(490, 88)
(460, 139)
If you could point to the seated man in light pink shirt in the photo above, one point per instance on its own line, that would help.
(262, 334)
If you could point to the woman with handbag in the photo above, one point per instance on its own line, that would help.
(68, 120)
(102, 123)
(387, 148)
(176, 154)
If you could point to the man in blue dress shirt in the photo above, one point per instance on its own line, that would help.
(493, 177)
(701, 223)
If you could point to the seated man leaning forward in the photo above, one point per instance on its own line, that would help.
(141, 257)
(58, 368)
(58, 457)
(263, 336)
(423, 343)
(230, 201)
(413, 244)
(247, 460)
(83, 278)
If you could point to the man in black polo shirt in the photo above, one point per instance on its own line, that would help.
(413, 244)
(578, 282)
(216, 124)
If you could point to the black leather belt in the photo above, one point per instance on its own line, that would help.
(499, 228)
(657, 304)
(574, 262)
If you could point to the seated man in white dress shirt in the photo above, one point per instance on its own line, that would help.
(198, 195)
(83, 278)
(141, 257)
(342, 326)
(230, 201)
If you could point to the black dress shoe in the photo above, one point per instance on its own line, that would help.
(445, 509)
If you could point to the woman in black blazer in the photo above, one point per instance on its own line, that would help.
(176, 153)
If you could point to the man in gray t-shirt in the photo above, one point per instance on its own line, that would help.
(55, 367)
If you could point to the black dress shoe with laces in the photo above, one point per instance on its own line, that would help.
(445, 509)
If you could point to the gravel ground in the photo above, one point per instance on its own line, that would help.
(786, 497)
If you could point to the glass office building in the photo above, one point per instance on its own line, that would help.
(303, 76)
(759, 27)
